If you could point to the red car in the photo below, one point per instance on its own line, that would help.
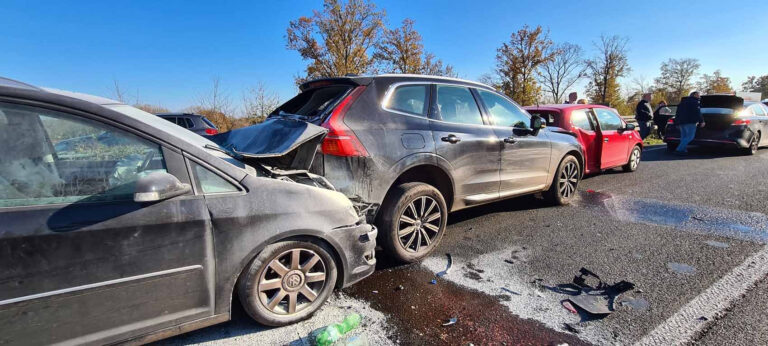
(607, 140)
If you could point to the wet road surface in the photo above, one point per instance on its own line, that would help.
(675, 236)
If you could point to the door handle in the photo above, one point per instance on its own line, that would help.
(510, 140)
(453, 139)
(605, 140)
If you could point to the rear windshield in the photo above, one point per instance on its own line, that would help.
(208, 122)
(552, 118)
(723, 111)
(315, 102)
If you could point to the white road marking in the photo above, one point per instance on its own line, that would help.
(682, 327)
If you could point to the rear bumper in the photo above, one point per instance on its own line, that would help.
(734, 136)
(359, 244)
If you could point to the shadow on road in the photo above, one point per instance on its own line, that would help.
(660, 153)
(528, 202)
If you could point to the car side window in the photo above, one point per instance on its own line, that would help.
(189, 123)
(211, 182)
(457, 105)
(411, 99)
(609, 121)
(757, 110)
(504, 112)
(580, 119)
(171, 119)
(53, 157)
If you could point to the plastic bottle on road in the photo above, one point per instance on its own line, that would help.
(335, 331)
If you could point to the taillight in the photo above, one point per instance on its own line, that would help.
(671, 121)
(211, 131)
(340, 140)
(742, 122)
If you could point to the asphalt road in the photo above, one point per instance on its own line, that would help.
(688, 232)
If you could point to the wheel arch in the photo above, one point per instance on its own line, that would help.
(427, 173)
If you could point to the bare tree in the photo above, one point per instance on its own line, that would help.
(561, 73)
(605, 70)
(715, 83)
(118, 93)
(641, 84)
(216, 105)
(258, 103)
(677, 76)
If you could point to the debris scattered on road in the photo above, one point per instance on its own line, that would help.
(510, 291)
(571, 328)
(509, 261)
(470, 229)
(567, 305)
(332, 333)
(433, 282)
(451, 321)
(590, 191)
(539, 294)
(357, 340)
(447, 267)
(636, 303)
(681, 268)
(716, 244)
(399, 288)
(703, 318)
(597, 298)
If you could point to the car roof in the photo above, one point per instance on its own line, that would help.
(561, 107)
(178, 114)
(395, 77)
(7, 82)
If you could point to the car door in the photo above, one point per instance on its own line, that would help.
(583, 124)
(524, 155)
(615, 141)
(467, 142)
(761, 117)
(82, 263)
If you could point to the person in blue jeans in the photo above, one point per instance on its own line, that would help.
(687, 117)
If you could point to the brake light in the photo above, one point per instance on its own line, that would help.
(671, 121)
(742, 122)
(340, 140)
(211, 131)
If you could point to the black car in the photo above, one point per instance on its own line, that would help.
(729, 122)
(408, 149)
(152, 230)
(194, 122)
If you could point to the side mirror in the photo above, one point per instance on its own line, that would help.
(627, 127)
(158, 186)
(537, 123)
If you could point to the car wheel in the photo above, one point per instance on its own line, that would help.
(634, 160)
(287, 282)
(563, 188)
(412, 221)
(754, 144)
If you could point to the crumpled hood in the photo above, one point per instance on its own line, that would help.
(280, 142)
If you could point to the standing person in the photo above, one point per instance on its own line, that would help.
(660, 117)
(644, 115)
(688, 115)
(572, 97)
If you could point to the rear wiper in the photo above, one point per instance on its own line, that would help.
(225, 151)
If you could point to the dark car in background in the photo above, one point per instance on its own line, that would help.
(730, 122)
(136, 230)
(607, 141)
(408, 149)
(194, 122)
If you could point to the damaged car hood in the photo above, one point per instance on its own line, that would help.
(279, 142)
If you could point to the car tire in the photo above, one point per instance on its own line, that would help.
(634, 160)
(563, 188)
(409, 226)
(754, 145)
(257, 287)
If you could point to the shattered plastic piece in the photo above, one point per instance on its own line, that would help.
(703, 318)
(510, 291)
(433, 282)
(509, 261)
(447, 267)
(332, 333)
(590, 191)
(567, 305)
(597, 299)
(451, 321)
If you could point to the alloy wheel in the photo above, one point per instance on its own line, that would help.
(568, 180)
(755, 144)
(419, 224)
(292, 281)
(634, 160)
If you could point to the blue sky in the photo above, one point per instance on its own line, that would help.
(167, 52)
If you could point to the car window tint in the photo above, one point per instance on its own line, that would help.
(410, 99)
(189, 123)
(457, 105)
(53, 157)
(171, 119)
(580, 119)
(211, 182)
(609, 121)
(503, 112)
(208, 122)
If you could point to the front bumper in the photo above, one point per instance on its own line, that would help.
(359, 250)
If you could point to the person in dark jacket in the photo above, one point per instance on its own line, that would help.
(660, 117)
(644, 115)
(687, 117)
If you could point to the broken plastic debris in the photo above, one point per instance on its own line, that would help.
(590, 191)
(433, 282)
(451, 321)
(447, 267)
(567, 305)
(510, 291)
(571, 328)
(597, 299)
